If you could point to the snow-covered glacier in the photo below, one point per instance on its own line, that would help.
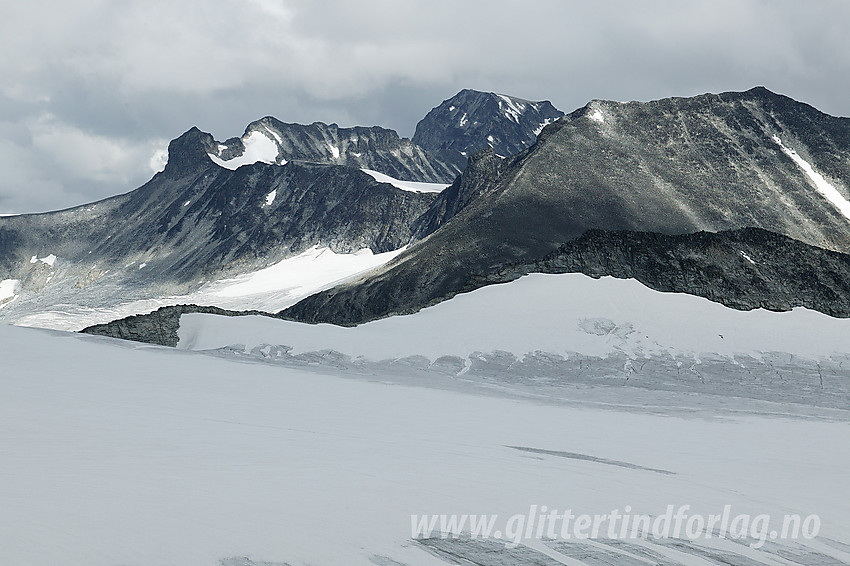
(265, 442)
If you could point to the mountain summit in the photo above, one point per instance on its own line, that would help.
(471, 121)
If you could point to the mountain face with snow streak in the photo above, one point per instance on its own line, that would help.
(677, 166)
(471, 121)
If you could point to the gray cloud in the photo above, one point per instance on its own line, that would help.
(95, 87)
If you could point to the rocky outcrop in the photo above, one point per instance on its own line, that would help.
(159, 327)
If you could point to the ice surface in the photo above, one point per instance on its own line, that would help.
(822, 185)
(597, 116)
(258, 147)
(334, 151)
(275, 134)
(413, 186)
(270, 198)
(115, 453)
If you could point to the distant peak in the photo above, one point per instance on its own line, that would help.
(762, 91)
(472, 120)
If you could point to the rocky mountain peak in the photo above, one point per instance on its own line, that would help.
(188, 153)
(472, 120)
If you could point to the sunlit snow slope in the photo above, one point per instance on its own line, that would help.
(270, 289)
(155, 456)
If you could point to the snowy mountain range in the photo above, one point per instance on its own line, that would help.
(631, 306)
(677, 167)
(221, 211)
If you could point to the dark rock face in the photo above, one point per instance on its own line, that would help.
(742, 269)
(674, 166)
(375, 148)
(159, 327)
(471, 121)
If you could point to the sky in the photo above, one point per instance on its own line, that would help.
(91, 91)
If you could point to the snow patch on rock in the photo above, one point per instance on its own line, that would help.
(7, 291)
(412, 186)
(258, 148)
(49, 260)
(822, 185)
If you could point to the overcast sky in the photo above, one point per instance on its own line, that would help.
(92, 90)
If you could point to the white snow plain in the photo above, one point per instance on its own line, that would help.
(560, 314)
(412, 186)
(117, 453)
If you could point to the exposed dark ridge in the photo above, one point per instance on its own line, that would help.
(160, 326)
(785, 274)
(717, 266)
(743, 269)
(189, 153)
